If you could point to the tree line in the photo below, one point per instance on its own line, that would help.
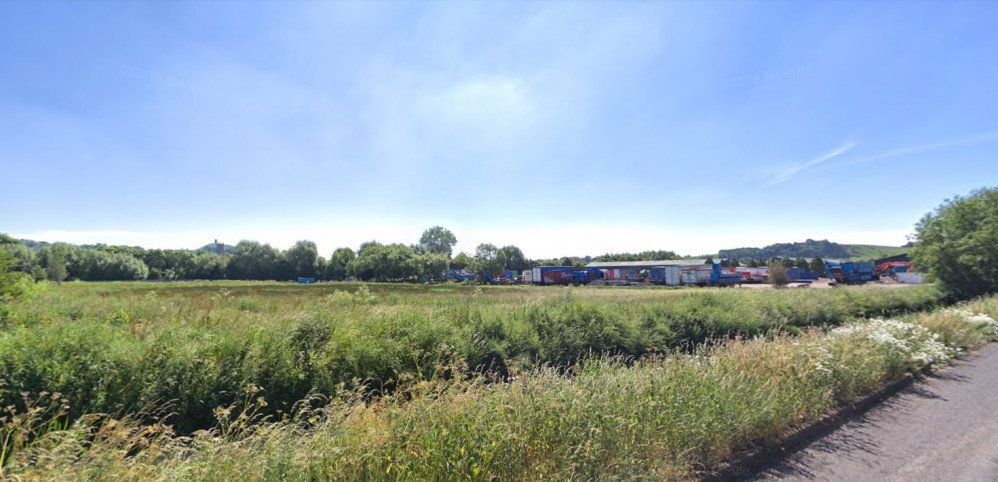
(957, 244)
(816, 265)
(424, 260)
(427, 259)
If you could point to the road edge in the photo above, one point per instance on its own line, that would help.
(753, 460)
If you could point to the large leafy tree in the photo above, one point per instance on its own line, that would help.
(54, 259)
(338, 262)
(304, 259)
(205, 265)
(378, 262)
(461, 261)
(488, 260)
(431, 266)
(254, 261)
(515, 260)
(169, 263)
(958, 244)
(438, 240)
(113, 265)
(25, 259)
(13, 284)
(62, 261)
(367, 244)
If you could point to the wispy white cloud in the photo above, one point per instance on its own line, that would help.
(792, 171)
(902, 151)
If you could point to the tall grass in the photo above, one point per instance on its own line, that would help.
(118, 347)
(671, 417)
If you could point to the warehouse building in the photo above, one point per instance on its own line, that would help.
(630, 269)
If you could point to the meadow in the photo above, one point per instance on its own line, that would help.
(351, 381)
(120, 347)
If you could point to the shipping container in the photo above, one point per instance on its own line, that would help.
(528, 276)
(553, 275)
(697, 275)
(665, 275)
(755, 275)
(911, 278)
(849, 272)
(798, 274)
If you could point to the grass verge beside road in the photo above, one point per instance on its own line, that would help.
(670, 416)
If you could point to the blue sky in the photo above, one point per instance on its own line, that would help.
(564, 128)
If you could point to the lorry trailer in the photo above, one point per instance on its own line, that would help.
(849, 273)
(694, 275)
(562, 275)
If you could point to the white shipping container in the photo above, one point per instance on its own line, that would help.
(695, 275)
(672, 277)
(756, 274)
(910, 278)
(528, 276)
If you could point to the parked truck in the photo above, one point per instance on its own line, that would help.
(720, 277)
(664, 275)
(563, 275)
(586, 276)
(694, 275)
(849, 273)
(798, 275)
(754, 275)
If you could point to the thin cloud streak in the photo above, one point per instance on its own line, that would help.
(901, 151)
(792, 171)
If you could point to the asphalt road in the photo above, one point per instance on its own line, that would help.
(944, 428)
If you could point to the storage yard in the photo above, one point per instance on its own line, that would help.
(700, 273)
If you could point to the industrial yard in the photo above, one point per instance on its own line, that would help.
(702, 273)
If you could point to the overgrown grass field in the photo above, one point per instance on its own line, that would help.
(119, 347)
(346, 381)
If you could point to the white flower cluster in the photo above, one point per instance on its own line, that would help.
(914, 342)
(980, 321)
(822, 360)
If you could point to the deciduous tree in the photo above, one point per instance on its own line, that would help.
(338, 262)
(515, 260)
(461, 261)
(489, 260)
(304, 259)
(438, 240)
(958, 244)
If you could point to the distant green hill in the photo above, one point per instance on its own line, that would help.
(210, 247)
(869, 251)
(811, 248)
